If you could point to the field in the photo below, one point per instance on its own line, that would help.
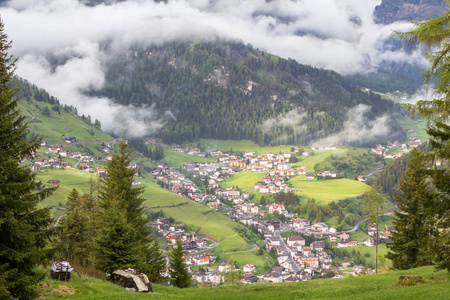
(244, 181)
(176, 159)
(243, 146)
(319, 156)
(418, 125)
(435, 285)
(70, 178)
(52, 128)
(325, 191)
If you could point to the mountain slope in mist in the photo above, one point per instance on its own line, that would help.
(390, 11)
(232, 91)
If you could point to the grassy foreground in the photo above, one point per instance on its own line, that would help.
(435, 285)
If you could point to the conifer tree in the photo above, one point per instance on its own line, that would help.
(412, 226)
(434, 35)
(116, 245)
(118, 196)
(155, 262)
(75, 240)
(179, 275)
(25, 228)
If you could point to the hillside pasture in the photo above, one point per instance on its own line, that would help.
(325, 191)
(57, 125)
(243, 146)
(319, 156)
(176, 159)
(244, 180)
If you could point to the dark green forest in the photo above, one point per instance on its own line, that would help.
(201, 90)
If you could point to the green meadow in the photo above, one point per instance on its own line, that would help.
(244, 180)
(243, 146)
(434, 285)
(69, 179)
(325, 191)
(52, 128)
(176, 159)
(319, 156)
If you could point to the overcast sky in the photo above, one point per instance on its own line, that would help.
(333, 34)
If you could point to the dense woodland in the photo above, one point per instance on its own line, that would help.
(202, 90)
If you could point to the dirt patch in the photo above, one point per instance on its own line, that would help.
(63, 290)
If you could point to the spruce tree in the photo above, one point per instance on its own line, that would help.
(116, 245)
(179, 275)
(410, 245)
(118, 193)
(434, 35)
(25, 227)
(75, 240)
(155, 262)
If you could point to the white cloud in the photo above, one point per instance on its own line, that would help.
(319, 33)
(357, 127)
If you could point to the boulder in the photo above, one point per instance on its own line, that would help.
(132, 279)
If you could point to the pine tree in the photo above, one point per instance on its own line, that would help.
(116, 245)
(118, 193)
(25, 228)
(75, 241)
(156, 262)
(179, 275)
(434, 34)
(412, 226)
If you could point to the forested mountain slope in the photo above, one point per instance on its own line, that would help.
(225, 90)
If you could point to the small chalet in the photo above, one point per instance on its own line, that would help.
(309, 175)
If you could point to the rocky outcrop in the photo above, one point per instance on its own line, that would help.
(132, 279)
(390, 11)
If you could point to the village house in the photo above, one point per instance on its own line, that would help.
(101, 172)
(332, 174)
(320, 227)
(248, 268)
(309, 175)
(276, 207)
(69, 139)
(249, 278)
(295, 239)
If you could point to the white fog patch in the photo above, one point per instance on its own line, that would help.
(357, 127)
(292, 119)
(332, 34)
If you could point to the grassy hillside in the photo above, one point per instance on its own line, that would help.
(435, 285)
(244, 181)
(325, 191)
(176, 159)
(54, 126)
(242, 146)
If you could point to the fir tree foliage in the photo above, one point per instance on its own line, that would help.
(116, 245)
(413, 226)
(124, 239)
(25, 227)
(434, 35)
(179, 275)
(77, 228)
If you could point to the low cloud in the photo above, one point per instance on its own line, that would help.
(293, 119)
(64, 46)
(356, 128)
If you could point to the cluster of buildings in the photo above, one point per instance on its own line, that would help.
(404, 148)
(191, 241)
